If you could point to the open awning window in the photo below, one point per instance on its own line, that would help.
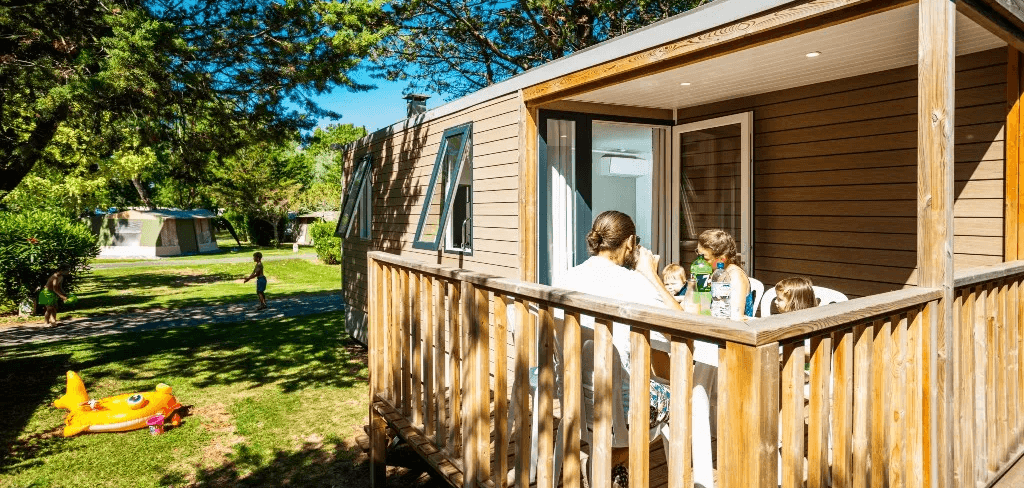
(350, 203)
(453, 158)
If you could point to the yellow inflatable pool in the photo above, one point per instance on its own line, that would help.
(112, 414)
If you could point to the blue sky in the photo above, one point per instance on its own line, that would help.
(374, 109)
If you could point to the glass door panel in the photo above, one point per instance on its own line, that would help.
(714, 189)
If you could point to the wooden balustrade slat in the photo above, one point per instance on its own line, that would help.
(545, 393)
(604, 395)
(965, 386)
(818, 412)
(416, 374)
(480, 335)
(748, 405)
(572, 398)
(1001, 373)
(977, 302)
(427, 331)
(639, 406)
(377, 426)
(680, 469)
(405, 318)
(861, 438)
(1018, 317)
(396, 336)
(842, 409)
(792, 416)
(471, 392)
(525, 339)
(500, 389)
(916, 401)
(897, 435)
(992, 379)
(1012, 401)
(440, 363)
(456, 321)
(958, 392)
(881, 390)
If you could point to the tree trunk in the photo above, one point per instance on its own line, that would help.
(143, 192)
(277, 237)
(17, 160)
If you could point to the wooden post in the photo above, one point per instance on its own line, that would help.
(378, 449)
(528, 243)
(470, 395)
(935, 109)
(748, 409)
(1012, 245)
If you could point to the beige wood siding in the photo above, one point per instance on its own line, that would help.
(402, 164)
(835, 175)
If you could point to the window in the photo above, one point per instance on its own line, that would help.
(366, 210)
(350, 203)
(448, 204)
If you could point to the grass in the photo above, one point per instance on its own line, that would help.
(273, 402)
(119, 290)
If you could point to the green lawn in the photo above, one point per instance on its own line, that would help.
(273, 402)
(118, 290)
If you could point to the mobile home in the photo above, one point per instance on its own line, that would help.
(872, 146)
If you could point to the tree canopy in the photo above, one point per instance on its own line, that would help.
(456, 47)
(131, 86)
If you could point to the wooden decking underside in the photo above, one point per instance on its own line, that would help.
(450, 469)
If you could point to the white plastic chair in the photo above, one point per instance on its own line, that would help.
(758, 288)
(824, 295)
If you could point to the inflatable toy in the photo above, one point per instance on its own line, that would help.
(113, 414)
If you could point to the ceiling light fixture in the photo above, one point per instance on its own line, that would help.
(813, 54)
(685, 83)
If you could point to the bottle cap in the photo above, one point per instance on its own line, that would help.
(721, 265)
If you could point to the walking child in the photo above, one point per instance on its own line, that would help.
(48, 296)
(261, 281)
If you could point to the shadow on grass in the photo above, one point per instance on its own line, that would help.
(99, 306)
(328, 464)
(26, 383)
(293, 353)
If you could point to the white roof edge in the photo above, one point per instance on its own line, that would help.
(708, 16)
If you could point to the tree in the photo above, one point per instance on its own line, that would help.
(194, 81)
(456, 47)
(324, 192)
(263, 181)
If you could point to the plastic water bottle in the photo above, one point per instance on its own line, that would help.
(700, 270)
(721, 291)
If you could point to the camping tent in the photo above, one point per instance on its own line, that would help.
(152, 233)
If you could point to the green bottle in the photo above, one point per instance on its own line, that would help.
(701, 270)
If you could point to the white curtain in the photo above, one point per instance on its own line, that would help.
(561, 168)
(665, 241)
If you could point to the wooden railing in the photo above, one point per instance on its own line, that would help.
(988, 384)
(440, 377)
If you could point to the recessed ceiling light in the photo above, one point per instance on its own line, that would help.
(813, 54)
(685, 83)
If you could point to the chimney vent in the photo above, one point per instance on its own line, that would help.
(417, 104)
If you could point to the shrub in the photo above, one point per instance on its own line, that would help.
(35, 244)
(328, 247)
(237, 221)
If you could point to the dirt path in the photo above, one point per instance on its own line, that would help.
(164, 318)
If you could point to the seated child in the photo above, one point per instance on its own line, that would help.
(793, 294)
(674, 277)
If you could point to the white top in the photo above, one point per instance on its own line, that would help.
(601, 277)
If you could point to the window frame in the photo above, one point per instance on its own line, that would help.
(365, 209)
(462, 157)
(350, 201)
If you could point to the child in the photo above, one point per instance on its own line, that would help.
(717, 246)
(261, 281)
(792, 294)
(48, 296)
(674, 277)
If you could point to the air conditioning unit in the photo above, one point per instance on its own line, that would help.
(624, 167)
